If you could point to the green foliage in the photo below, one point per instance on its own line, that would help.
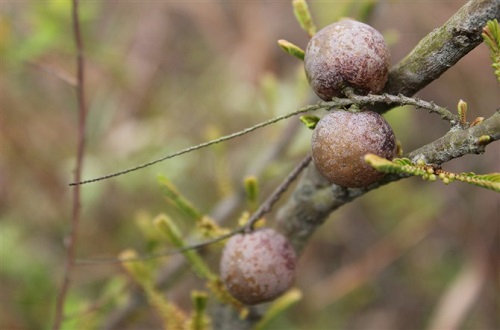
(301, 11)
(252, 192)
(178, 200)
(168, 227)
(491, 37)
(309, 120)
(25, 274)
(279, 306)
(207, 226)
(291, 49)
(488, 181)
(172, 316)
(199, 318)
(198, 264)
(48, 29)
(404, 166)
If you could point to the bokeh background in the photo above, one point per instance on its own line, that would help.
(164, 75)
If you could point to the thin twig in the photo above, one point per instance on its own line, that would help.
(335, 103)
(205, 144)
(75, 216)
(266, 207)
(143, 257)
(399, 99)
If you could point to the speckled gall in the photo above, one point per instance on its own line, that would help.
(347, 53)
(340, 141)
(258, 266)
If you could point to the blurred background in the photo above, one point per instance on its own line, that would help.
(165, 75)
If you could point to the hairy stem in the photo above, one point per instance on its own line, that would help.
(393, 100)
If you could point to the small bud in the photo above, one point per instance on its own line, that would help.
(303, 16)
(252, 191)
(462, 112)
(309, 121)
(477, 121)
(484, 139)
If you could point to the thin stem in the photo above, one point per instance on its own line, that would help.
(336, 102)
(75, 216)
(203, 145)
(143, 257)
(268, 204)
(399, 99)
(266, 207)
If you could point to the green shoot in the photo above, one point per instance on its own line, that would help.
(491, 37)
(291, 49)
(279, 306)
(172, 316)
(168, 227)
(309, 120)
(252, 192)
(199, 318)
(404, 166)
(462, 112)
(303, 16)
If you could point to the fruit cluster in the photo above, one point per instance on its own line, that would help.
(354, 55)
(259, 266)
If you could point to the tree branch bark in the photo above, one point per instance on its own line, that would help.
(314, 198)
(440, 49)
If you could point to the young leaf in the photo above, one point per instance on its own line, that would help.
(168, 227)
(279, 306)
(396, 166)
(211, 229)
(178, 200)
(488, 181)
(199, 317)
(491, 37)
(173, 317)
(301, 11)
(309, 120)
(432, 173)
(291, 49)
(252, 192)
